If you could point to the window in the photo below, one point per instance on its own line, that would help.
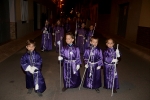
(24, 11)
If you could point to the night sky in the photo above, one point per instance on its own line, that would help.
(104, 5)
(69, 4)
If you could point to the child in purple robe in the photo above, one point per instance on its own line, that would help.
(31, 63)
(59, 34)
(78, 23)
(88, 36)
(70, 55)
(81, 38)
(67, 26)
(93, 61)
(46, 37)
(110, 58)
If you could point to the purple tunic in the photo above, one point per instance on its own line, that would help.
(92, 75)
(108, 55)
(59, 34)
(71, 58)
(46, 43)
(88, 37)
(67, 27)
(33, 59)
(81, 39)
(78, 25)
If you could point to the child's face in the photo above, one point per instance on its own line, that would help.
(30, 47)
(91, 27)
(83, 25)
(46, 22)
(58, 22)
(94, 42)
(110, 43)
(69, 39)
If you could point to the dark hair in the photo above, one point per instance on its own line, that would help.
(91, 25)
(30, 41)
(69, 33)
(94, 37)
(110, 39)
(83, 23)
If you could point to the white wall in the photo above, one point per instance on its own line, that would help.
(132, 21)
(145, 14)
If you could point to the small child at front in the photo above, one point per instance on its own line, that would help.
(31, 63)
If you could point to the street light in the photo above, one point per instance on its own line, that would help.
(62, 4)
(61, 0)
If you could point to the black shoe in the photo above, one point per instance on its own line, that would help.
(97, 90)
(39, 94)
(104, 87)
(114, 91)
(30, 91)
(64, 89)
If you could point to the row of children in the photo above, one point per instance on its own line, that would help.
(93, 57)
(83, 36)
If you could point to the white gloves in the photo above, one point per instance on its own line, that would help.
(45, 28)
(86, 66)
(117, 53)
(115, 60)
(60, 58)
(99, 67)
(28, 68)
(61, 38)
(115, 73)
(53, 33)
(45, 31)
(78, 67)
(31, 69)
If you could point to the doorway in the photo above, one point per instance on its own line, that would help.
(123, 17)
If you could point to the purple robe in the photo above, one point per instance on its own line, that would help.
(92, 75)
(46, 43)
(78, 25)
(88, 37)
(81, 39)
(33, 59)
(108, 55)
(59, 34)
(67, 27)
(71, 58)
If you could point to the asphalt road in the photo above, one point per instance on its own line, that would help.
(133, 71)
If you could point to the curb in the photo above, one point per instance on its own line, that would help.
(14, 46)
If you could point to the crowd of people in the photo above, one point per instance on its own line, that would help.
(81, 43)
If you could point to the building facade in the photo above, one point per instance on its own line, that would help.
(130, 19)
(23, 17)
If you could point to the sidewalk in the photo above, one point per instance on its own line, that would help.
(137, 49)
(12, 47)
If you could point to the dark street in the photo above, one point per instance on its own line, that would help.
(133, 73)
